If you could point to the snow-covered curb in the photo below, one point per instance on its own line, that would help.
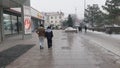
(116, 36)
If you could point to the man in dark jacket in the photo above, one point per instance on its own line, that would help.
(49, 35)
(85, 28)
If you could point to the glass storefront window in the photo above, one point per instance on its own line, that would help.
(7, 24)
(19, 24)
(14, 24)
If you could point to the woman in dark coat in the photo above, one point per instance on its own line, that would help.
(49, 35)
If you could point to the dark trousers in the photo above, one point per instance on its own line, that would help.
(49, 41)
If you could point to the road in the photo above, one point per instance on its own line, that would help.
(104, 41)
(91, 46)
(71, 50)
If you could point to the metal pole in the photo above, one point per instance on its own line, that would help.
(1, 25)
(75, 17)
(84, 6)
(22, 17)
(84, 10)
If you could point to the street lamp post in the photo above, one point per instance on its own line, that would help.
(84, 9)
(84, 5)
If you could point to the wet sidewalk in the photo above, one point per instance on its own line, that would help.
(68, 51)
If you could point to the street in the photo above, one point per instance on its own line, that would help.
(59, 34)
(71, 50)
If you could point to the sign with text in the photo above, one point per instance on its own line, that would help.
(36, 13)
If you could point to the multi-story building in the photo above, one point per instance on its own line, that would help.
(53, 19)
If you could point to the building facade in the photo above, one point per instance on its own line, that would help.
(14, 18)
(53, 19)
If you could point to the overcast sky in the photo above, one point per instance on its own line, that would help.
(66, 6)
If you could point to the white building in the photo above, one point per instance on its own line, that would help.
(53, 18)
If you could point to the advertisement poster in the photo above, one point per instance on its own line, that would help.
(27, 24)
(27, 20)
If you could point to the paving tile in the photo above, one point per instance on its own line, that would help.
(68, 52)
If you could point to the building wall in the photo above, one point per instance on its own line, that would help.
(9, 23)
(35, 13)
(53, 18)
(27, 3)
(13, 18)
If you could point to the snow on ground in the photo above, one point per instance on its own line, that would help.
(117, 36)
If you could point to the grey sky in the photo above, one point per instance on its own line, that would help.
(66, 6)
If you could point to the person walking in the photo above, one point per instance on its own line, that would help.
(85, 28)
(80, 28)
(49, 35)
(41, 34)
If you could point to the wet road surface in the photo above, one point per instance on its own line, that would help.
(70, 50)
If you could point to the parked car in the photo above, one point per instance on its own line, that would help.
(70, 29)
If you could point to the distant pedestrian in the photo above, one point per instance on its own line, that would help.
(93, 29)
(85, 28)
(80, 28)
(49, 35)
(41, 34)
